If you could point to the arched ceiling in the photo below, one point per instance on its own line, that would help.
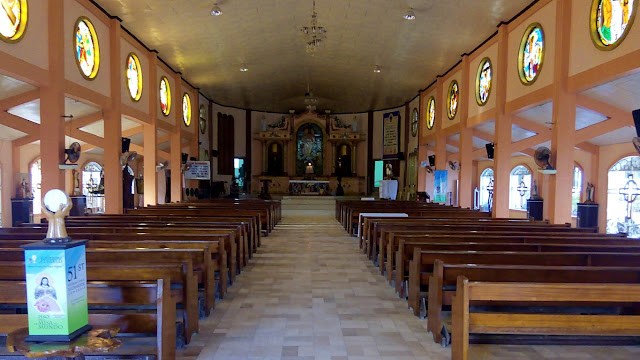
(264, 36)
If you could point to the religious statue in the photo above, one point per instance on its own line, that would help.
(388, 171)
(354, 125)
(590, 192)
(264, 124)
(534, 192)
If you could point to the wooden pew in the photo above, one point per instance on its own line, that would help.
(156, 294)
(442, 284)
(466, 322)
(422, 265)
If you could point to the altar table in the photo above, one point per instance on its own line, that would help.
(309, 187)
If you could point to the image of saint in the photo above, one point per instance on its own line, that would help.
(613, 19)
(132, 76)
(46, 297)
(308, 144)
(163, 96)
(532, 54)
(9, 17)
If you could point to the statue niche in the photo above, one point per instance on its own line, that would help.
(343, 160)
(275, 165)
(309, 150)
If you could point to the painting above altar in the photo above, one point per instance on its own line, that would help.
(309, 150)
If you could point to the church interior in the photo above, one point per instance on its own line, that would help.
(330, 179)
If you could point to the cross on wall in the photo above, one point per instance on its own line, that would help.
(630, 191)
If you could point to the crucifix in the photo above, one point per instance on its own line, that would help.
(522, 190)
(630, 192)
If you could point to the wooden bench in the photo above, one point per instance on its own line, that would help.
(422, 265)
(155, 315)
(442, 284)
(466, 322)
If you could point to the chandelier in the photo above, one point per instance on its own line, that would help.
(313, 34)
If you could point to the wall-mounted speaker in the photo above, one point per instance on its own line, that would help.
(490, 148)
(636, 120)
(185, 157)
(214, 153)
(126, 142)
(401, 155)
(432, 160)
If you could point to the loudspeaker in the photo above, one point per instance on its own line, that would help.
(401, 155)
(489, 147)
(125, 144)
(432, 160)
(636, 120)
(185, 157)
(214, 153)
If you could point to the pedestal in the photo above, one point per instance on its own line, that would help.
(587, 215)
(56, 277)
(21, 211)
(534, 209)
(79, 205)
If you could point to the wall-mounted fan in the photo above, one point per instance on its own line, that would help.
(429, 170)
(128, 157)
(73, 155)
(636, 143)
(161, 166)
(454, 165)
(542, 158)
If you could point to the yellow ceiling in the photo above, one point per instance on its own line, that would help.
(264, 36)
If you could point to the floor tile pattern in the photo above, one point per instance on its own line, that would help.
(309, 293)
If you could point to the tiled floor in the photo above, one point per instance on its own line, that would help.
(310, 294)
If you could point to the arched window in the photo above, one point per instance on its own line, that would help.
(36, 183)
(519, 188)
(623, 211)
(486, 189)
(91, 178)
(576, 190)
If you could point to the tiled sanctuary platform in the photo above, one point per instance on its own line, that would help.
(310, 294)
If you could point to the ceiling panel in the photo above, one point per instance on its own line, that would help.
(10, 87)
(518, 133)
(129, 124)
(620, 136)
(77, 108)
(586, 118)
(264, 36)
(29, 111)
(542, 114)
(96, 128)
(489, 127)
(623, 93)
(479, 143)
(10, 134)
(452, 149)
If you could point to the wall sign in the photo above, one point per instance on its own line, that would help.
(198, 170)
(391, 135)
(440, 186)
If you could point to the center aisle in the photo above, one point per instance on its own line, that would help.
(309, 293)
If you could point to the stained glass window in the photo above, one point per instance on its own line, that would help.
(452, 100)
(483, 81)
(87, 48)
(576, 190)
(414, 122)
(519, 187)
(203, 119)
(623, 207)
(486, 189)
(611, 21)
(431, 112)
(13, 19)
(165, 96)
(134, 77)
(186, 109)
(531, 54)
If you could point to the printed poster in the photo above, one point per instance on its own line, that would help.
(391, 135)
(200, 170)
(440, 186)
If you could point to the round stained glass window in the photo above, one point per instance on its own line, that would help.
(203, 119)
(431, 112)
(531, 54)
(414, 122)
(610, 22)
(452, 100)
(165, 96)
(13, 20)
(483, 81)
(86, 48)
(186, 109)
(134, 77)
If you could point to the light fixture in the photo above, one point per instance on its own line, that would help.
(243, 68)
(409, 15)
(377, 69)
(313, 34)
(215, 10)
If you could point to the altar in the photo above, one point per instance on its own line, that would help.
(311, 154)
(309, 187)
